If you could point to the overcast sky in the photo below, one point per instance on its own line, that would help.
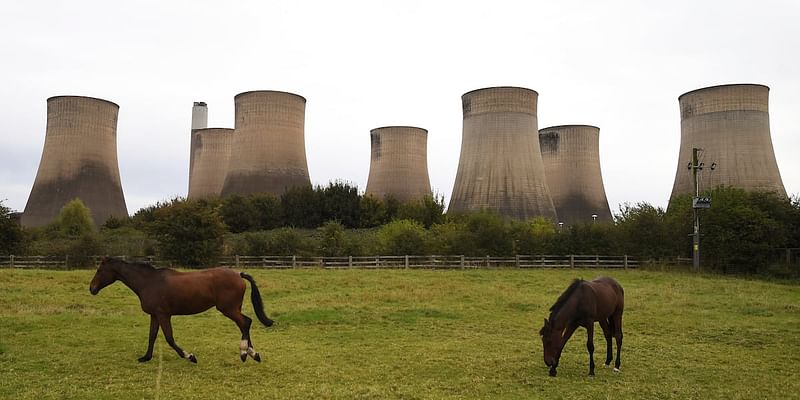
(618, 65)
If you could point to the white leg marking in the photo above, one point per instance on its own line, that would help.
(243, 346)
(616, 369)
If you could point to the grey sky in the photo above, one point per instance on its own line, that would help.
(618, 65)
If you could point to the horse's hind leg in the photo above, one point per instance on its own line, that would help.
(604, 323)
(246, 345)
(166, 327)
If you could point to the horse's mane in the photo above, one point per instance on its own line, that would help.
(139, 264)
(565, 296)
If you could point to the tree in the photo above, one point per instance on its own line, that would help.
(341, 202)
(302, 207)
(238, 213)
(12, 239)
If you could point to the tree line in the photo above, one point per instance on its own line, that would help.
(741, 231)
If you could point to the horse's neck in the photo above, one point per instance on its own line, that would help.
(565, 314)
(134, 277)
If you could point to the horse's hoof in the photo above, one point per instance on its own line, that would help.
(257, 357)
(243, 357)
(192, 358)
(552, 372)
(144, 359)
(616, 370)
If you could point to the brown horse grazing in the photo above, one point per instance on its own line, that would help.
(165, 292)
(582, 304)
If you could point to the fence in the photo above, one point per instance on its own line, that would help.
(371, 262)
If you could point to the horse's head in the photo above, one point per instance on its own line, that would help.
(551, 341)
(104, 276)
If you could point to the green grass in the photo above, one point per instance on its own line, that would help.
(403, 334)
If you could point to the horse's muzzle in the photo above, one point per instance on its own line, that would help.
(93, 290)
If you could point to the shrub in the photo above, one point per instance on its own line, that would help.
(188, 233)
(402, 237)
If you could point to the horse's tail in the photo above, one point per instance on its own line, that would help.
(255, 297)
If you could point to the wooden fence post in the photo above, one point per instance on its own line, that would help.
(294, 261)
(236, 261)
(596, 261)
(12, 261)
(462, 261)
(625, 261)
(516, 260)
(572, 261)
(406, 261)
(350, 261)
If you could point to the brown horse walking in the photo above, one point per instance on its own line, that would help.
(166, 292)
(582, 304)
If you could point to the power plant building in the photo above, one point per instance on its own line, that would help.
(208, 161)
(268, 153)
(571, 156)
(399, 163)
(79, 160)
(500, 167)
(730, 123)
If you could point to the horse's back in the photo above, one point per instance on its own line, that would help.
(610, 295)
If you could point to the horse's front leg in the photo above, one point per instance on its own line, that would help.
(166, 327)
(590, 346)
(151, 340)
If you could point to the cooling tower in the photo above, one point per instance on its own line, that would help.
(571, 156)
(731, 124)
(211, 149)
(79, 160)
(399, 163)
(199, 115)
(500, 167)
(268, 153)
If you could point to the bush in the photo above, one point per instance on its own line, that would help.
(333, 240)
(402, 237)
(534, 236)
(238, 213)
(188, 233)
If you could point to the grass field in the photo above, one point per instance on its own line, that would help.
(403, 334)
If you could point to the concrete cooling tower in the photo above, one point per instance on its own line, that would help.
(571, 156)
(208, 162)
(79, 160)
(268, 153)
(731, 124)
(500, 167)
(399, 163)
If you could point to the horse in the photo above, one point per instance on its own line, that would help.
(582, 304)
(166, 292)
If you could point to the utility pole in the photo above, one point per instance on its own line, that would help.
(697, 203)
